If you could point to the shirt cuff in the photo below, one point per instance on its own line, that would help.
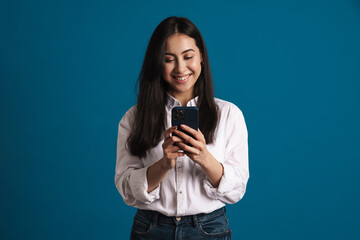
(139, 186)
(226, 184)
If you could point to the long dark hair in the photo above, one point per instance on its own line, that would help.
(150, 116)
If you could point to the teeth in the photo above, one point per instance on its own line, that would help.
(182, 78)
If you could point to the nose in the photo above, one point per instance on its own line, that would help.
(180, 66)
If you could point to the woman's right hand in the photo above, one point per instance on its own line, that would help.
(170, 150)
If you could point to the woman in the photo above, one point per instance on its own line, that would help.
(180, 184)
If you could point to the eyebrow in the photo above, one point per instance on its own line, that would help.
(188, 50)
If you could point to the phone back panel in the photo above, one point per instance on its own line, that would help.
(185, 115)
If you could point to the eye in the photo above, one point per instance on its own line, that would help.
(169, 60)
(188, 57)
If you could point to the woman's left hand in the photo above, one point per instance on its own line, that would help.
(197, 151)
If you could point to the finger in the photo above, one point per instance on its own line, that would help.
(188, 139)
(174, 148)
(198, 135)
(171, 141)
(176, 138)
(167, 143)
(171, 148)
(188, 148)
(168, 132)
(202, 135)
(183, 135)
(194, 143)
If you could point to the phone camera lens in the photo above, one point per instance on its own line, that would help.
(180, 114)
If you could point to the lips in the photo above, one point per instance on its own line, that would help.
(182, 78)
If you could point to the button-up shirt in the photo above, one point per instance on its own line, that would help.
(185, 190)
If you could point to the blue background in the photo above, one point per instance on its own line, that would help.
(68, 71)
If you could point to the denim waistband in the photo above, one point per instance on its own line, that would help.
(155, 217)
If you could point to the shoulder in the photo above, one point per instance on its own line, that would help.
(230, 116)
(130, 113)
(227, 108)
(128, 117)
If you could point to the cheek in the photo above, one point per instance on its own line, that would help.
(195, 66)
(167, 71)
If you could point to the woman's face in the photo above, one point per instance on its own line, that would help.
(182, 66)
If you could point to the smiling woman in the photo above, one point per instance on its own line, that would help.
(182, 66)
(180, 184)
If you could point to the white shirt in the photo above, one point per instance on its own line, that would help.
(185, 190)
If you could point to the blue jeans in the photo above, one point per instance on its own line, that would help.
(156, 226)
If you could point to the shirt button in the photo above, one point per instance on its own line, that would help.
(180, 192)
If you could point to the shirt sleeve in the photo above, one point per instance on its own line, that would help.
(130, 173)
(233, 183)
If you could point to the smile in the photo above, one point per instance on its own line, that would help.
(182, 79)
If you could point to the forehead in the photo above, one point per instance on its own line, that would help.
(177, 43)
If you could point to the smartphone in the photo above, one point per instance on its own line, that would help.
(185, 115)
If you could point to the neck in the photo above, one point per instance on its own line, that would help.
(183, 98)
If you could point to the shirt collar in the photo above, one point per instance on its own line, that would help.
(173, 102)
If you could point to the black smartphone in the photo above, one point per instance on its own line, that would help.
(185, 115)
